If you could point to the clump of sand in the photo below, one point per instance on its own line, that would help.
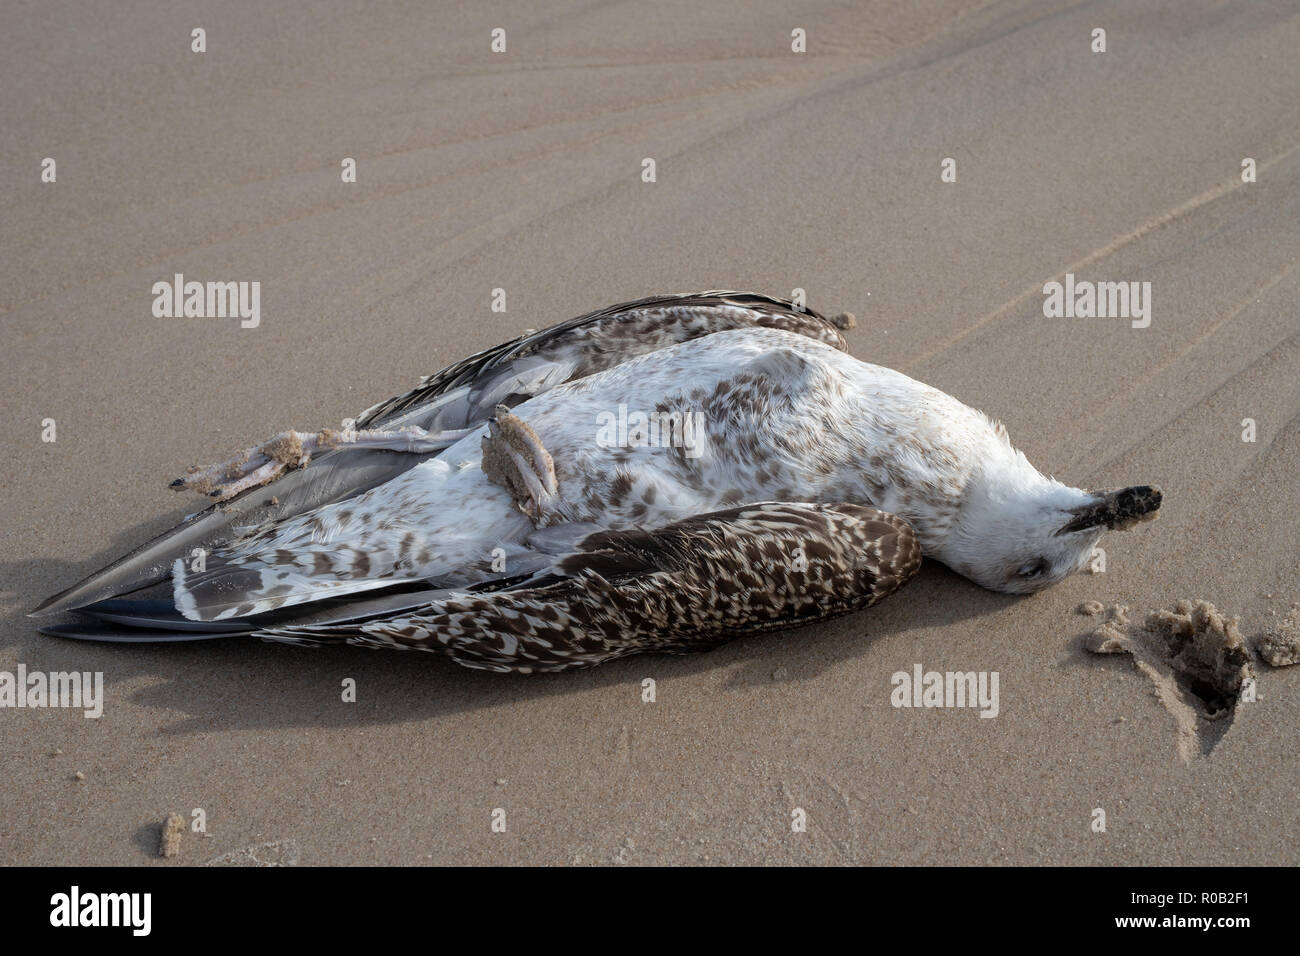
(203, 486)
(173, 829)
(1195, 657)
(328, 438)
(285, 448)
(1201, 647)
(1280, 646)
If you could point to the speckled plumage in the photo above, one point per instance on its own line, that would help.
(409, 546)
(689, 585)
(465, 391)
(457, 398)
(783, 417)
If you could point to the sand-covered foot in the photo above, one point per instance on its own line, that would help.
(515, 459)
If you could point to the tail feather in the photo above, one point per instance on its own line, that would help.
(157, 621)
(333, 476)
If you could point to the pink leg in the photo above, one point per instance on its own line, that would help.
(263, 464)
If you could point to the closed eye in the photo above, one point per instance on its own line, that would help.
(1033, 569)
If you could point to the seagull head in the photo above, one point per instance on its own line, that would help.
(1019, 531)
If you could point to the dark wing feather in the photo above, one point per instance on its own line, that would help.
(143, 621)
(332, 476)
(599, 351)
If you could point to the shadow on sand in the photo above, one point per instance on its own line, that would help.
(242, 683)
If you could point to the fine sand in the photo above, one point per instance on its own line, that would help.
(775, 170)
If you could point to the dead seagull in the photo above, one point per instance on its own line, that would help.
(479, 515)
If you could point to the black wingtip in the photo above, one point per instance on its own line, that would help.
(122, 635)
(48, 606)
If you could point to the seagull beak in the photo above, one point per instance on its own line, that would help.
(1117, 510)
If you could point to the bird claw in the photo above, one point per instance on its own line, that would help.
(251, 467)
(515, 458)
(287, 450)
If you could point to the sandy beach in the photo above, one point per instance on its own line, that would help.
(774, 170)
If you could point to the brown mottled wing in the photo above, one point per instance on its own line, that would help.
(687, 586)
(582, 346)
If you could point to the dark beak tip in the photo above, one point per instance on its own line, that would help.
(1147, 497)
(1135, 505)
(1118, 510)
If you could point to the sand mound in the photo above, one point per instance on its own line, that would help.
(1196, 658)
(173, 828)
(1280, 647)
